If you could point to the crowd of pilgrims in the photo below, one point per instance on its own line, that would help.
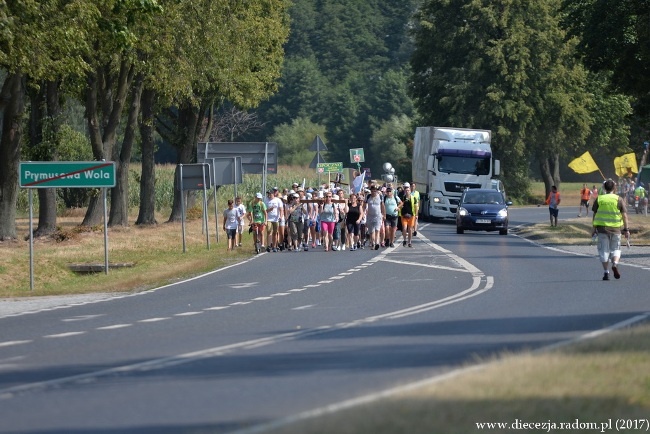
(329, 217)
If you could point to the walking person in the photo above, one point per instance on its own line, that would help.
(328, 214)
(585, 195)
(375, 213)
(257, 219)
(241, 212)
(393, 205)
(408, 211)
(230, 224)
(609, 214)
(296, 214)
(274, 209)
(416, 195)
(553, 201)
(353, 221)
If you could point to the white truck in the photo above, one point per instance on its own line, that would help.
(446, 161)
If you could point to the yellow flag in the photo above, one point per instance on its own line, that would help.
(584, 164)
(626, 164)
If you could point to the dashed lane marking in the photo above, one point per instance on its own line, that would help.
(114, 327)
(63, 335)
(154, 319)
(11, 343)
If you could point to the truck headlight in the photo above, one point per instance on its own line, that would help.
(436, 200)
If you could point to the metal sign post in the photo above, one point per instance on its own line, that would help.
(193, 177)
(65, 174)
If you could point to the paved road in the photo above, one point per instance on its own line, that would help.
(286, 333)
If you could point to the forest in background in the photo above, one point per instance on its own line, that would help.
(132, 77)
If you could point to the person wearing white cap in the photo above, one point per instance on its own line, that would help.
(257, 218)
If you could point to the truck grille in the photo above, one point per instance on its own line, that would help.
(459, 187)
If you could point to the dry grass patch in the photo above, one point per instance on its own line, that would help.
(156, 251)
(593, 381)
(577, 231)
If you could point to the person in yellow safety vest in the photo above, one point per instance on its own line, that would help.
(609, 214)
(416, 196)
(643, 199)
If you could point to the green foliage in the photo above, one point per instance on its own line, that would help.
(294, 140)
(388, 144)
(505, 66)
(348, 74)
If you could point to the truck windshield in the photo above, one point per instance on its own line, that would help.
(457, 164)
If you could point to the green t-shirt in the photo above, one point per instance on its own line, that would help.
(257, 211)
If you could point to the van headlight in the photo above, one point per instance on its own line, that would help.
(462, 212)
(503, 213)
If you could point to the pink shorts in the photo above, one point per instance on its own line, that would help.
(327, 227)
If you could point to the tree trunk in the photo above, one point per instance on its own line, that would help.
(188, 122)
(146, 215)
(550, 170)
(46, 106)
(103, 122)
(12, 107)
(120, 194)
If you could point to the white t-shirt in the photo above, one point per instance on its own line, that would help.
(241, 212)
(273, 208)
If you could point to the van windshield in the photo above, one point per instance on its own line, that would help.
(464, 164)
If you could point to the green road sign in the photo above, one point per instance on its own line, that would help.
(329, 167)
(67, 174)
(356, 155)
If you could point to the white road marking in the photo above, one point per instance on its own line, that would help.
(188, 313)
(154, 319)
(240, 303)
(10, 343)
(244, 285)
(278, 294)
(262, 298)
(307, 306)
(217, 308)
(81, 318)
(325, 281)
(440, 267)
(114, 327)
(338, 277)
(64, 335)
(298, 289)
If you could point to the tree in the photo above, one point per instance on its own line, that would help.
(294, 139)
(37, 45)
(240, 63)
(505, 66)
(388, 144)
(345, 69)
(614, 39)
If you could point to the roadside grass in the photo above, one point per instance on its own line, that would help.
(591, 382)
(156, 253)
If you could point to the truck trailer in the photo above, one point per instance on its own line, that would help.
(446, 161)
